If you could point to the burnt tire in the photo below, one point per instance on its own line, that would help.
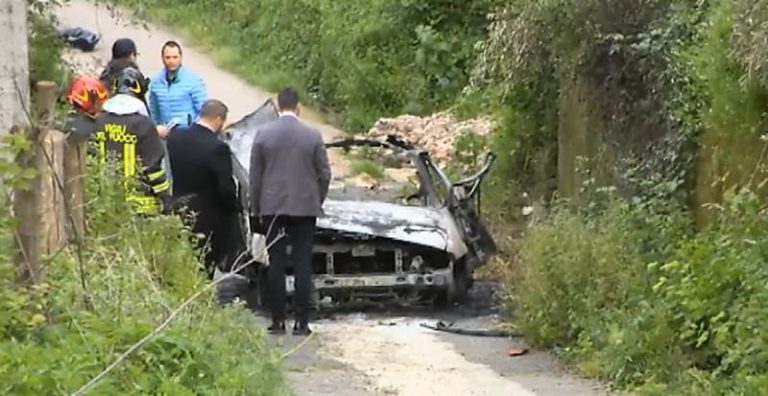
(458, 291)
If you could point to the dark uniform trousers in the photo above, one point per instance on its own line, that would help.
(299, 235)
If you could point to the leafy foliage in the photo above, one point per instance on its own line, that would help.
(45, 46)
(632, 296)
(368, 167)
(92, 304)
(623, 285)
(750, 37)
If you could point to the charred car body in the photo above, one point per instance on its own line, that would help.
(372, 250)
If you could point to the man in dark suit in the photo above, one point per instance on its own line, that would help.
(289, 178)
(201, 165)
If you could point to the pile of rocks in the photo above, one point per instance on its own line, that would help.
(435, 133)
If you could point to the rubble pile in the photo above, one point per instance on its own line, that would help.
(435, 133)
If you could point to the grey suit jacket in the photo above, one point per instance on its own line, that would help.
(290, 172)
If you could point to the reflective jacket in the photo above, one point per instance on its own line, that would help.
(80, 124)
(132, 137)
(178, 99)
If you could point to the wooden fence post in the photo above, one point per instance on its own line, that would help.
(75, 159)
(54, 206)
(29, 205)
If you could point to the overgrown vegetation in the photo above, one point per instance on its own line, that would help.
(45, 46)
(94, 300)
(367, 167)
(81, 315)
(632, 296)
(660, 111)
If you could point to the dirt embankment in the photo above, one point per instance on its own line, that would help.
(437, 133)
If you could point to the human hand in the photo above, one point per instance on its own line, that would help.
(163, 130)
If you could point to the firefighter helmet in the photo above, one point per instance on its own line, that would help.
(130, 81)
(87, 93)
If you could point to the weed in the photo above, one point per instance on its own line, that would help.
(369, 168)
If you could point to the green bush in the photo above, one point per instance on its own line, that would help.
(634, 298)
(45, 48)
(367, 167)
(95, 299)
(623, 285)
(363, 60)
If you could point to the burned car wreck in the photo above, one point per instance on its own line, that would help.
(423, 249)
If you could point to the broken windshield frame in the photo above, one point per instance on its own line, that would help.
(432, 179)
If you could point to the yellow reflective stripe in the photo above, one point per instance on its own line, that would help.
(142, 199)
(129, 165)
(164, 186)
(103, 151)
(144, 204)
(132, 157)
(156, 175)
(101, 139)
(126, 161)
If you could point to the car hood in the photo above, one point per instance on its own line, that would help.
(431, 227)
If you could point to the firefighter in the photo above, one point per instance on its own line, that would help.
(123, 55)
(87, 96)
(124, 130)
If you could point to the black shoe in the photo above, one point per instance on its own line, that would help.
(301, 330)
(276, 328)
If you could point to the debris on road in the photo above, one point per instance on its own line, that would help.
(514, 352)
(436, 133)
(449, 328)
(79, 38)
(364, 181)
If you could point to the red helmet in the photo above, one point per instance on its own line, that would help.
(87, 93)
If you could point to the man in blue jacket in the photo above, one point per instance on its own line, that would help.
(176, 93)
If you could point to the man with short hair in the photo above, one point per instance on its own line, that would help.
(201, 165)
(289, 179)
(123, 55)
(176, 94)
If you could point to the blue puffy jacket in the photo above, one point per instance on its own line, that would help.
(179, 100)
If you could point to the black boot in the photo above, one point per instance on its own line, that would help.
(301, 329)
(276, 328)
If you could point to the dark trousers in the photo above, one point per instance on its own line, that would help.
(299, 234)
(222, 234)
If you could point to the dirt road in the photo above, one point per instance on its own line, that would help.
(360, 354)
(392, 354)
